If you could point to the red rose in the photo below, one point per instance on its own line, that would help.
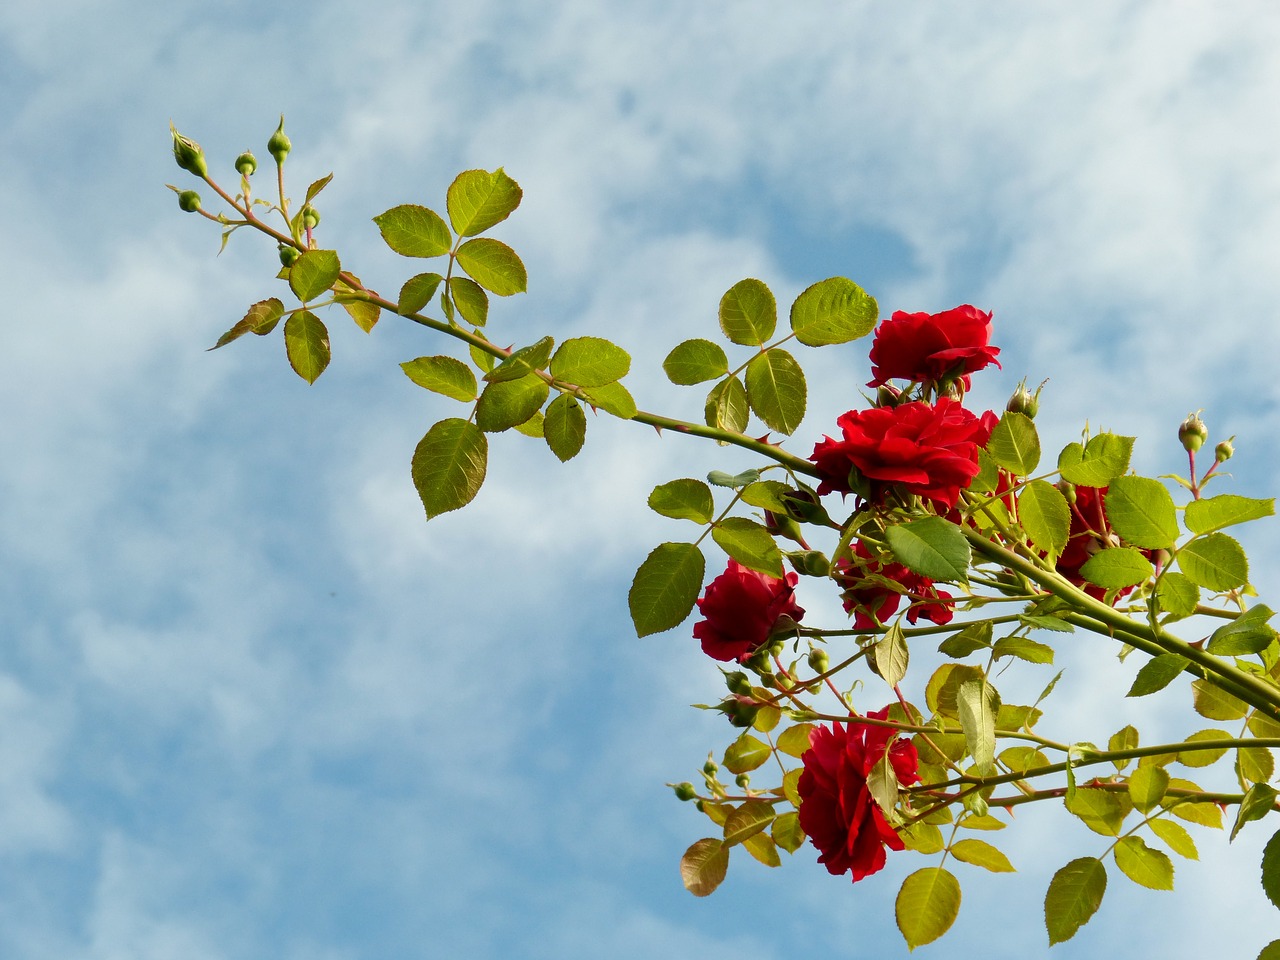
(837, 810)
(869, 595)
(741, 607)
(921, 448)
(924, 347)
(1090, 532)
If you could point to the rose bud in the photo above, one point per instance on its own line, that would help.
(685, 791)
(279, 146)
(1193, 433)
(189, 201)
(246, 164)
(740, 714)
(710, 768)
(310, 217)
(188, 155)
(738, 682)
(819, 662)
(288, 255)
(1024, 401)
(809, 563)
(782, 526)
(1067, 489)
(887, 395)
(743, 780)
(1223, 451)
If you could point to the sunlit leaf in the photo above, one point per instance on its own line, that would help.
(449, 465)
(414, 231)
(306, 342)
(927, 905)
(748, 313)
(1074, 895)
(666, 587)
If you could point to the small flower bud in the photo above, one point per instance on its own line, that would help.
(288, 254)
(710, 768)
(819, 662)
(1223, 451)
(310, 217)
(741, 714)
(246, 164)
(743, 780)
(1024, 401)
(782, 526)
(279, 146)
(1193, 433)
(887, 395)
(685, 791)
(1068, 490)
(188, 155)
(810, 563)
(189, 201)
(738, 682)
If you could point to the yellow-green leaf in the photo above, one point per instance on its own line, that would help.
(1074, 895)
(493, 265)
(306, 342)
(703, 866)
(981, 854)
(449, 465)
(927, 905)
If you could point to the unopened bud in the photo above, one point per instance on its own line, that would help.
(887, 395)
(1193, 433)
(738, 682)
(188, 155)
(1068, 490)
(710, 768)
(819, 662)
(685, 791)
(288, 254)
(782, 526)
(189, 201)
(741, 714)
(1224, 451)
(246, 164)
(279, 146)
(310, 217)
(810, 563)
(743, 780)
(1024, 401)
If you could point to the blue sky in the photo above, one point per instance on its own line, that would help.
(251, 704)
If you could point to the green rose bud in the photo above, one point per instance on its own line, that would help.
(279, 146)
(780, 525)
(741, 715)
(189, 201)
(188, 155)
(809, 563)
(1024, 401)
(819, 662)
(246, 164)
(887, 395)
(1193, 433)
(1068, 490)
(685, 791)
(743, 780)
(710, 768)
(310, 217)
(738, 682)
(288, 254)
(1224, 451)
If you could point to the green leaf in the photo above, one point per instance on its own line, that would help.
(1156, 674)
(1203, 758)
(974, 637)
(478, 199)
(747, 820)
(891, 655)
(666, 587)
(766, 494)
(922, 837)
(470, 299)
(1271, 869)
(414, 231)
(505, 404)
(1015, 445)
(1021, 759)
(444, 375)
(942, 691)
(981, 854)
(1271, 951)
(733, 480)
(1215, 703)
(748, 313)
(364, 312)
(522, 362)
(1147, 786)
(1176, 836)
(683, 500)
(932, 547)
(313, 273)
(1258, 801)
(1143, 865)
(695, 361)
(612, 398)
(835, 310)
(261, 319)
(1214, 513)
(565, 427)
(590, 362)
(313, 191)
(1045, 516)
(1024, 649)
(1248, 633)
(776, 390)
(794, 741)
(703, 866)
(746, 754)
(1074, 895)
(1126, 738)
(1056, 624)
(762, 847)
(1098, 462)
(749, 543)
(417, 292)
(927, 905)
(493, 265)
(1255, 765)
(1116, 567)
(481, 358)
(532, 427)
(1142, 512)
(449, 465)
(1176, 595)
(726, 407)
(976, 702)
(306, 342)
(1100, 810)
(1215, 562)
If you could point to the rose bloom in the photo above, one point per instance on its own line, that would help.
(921, 448)
(868, 598)
(837, 810)
(924, 347)
(741, 608)
(1090, 532)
